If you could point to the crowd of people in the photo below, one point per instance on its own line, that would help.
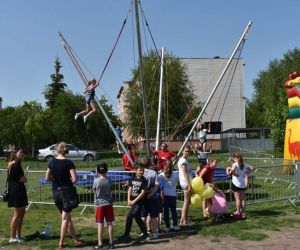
(151, 192)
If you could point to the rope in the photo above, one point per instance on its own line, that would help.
(87, 134)
(231, 80)
(143, 15)
(133, 40)
(113, 49)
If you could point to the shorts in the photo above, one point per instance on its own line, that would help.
(237, 189)
(183, 184)
(104, 212)
(151, 207)
(59, 203)
(202, 141)
(90, 99)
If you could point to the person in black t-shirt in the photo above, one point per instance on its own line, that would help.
(17, 194)
(61, 172)
(136, 192)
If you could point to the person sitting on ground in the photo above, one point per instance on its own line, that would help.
(163, 155)
(102, 187)
(90, 101)
(207, 174)
(201, 154)
(125, 160)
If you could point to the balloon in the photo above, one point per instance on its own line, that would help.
(196, 200)
(207, 193)
(197, 184)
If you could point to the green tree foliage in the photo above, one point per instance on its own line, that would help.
(32, 126)
(269, 105)
(24, 125)
(35, 125)
(57, 86)
(178, 96)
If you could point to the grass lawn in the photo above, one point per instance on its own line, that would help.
(261, 218)
(272, 216)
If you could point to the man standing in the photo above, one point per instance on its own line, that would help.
(163, 155)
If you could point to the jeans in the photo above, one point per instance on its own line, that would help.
(170, 203)
(135, 213)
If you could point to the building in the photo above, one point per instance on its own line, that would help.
(228, 103)
(227, 106)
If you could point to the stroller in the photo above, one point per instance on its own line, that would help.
(219, 205)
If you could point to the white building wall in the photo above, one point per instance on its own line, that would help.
(227, 104)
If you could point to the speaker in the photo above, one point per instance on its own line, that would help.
(215, 127)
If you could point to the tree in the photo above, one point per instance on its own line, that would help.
(269, 105)
(178, 96)
(94, 134)
(57, 86)
(35, 126)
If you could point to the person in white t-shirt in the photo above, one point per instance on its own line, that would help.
(169, 180)
(239, 171)
(202, 131)
(185, 177)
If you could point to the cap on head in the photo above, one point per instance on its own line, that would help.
(102, 167)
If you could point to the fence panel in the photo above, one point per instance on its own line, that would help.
(266, 184)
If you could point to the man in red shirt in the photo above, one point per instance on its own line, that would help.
(163, 155)
(126, 162)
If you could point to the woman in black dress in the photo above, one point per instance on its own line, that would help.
(17, 194)
(61, 172)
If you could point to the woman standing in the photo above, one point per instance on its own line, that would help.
(17, 194)
(61, 172)
(185, 177)
(239, 171)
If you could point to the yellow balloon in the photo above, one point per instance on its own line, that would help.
(207, 193)
(196, 200)
(197, 184)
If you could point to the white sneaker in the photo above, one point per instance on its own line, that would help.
(76, 116)
(20, 239)
(154, 236)
(85, 118)
(176, 228)
(167, 230)
(13, 240)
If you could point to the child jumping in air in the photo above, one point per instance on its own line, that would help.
(103, 201)
(90, 101)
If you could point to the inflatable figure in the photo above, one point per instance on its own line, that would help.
(292, 129)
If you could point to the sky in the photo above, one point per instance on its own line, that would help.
(29, 41)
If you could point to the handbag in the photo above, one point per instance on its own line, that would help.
(5, 195)
(69, 198)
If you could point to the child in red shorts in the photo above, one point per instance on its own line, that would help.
(103, 202)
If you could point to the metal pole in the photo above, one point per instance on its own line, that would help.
(138, 32)
(215, 88)
(160, 97)
(83, 78)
